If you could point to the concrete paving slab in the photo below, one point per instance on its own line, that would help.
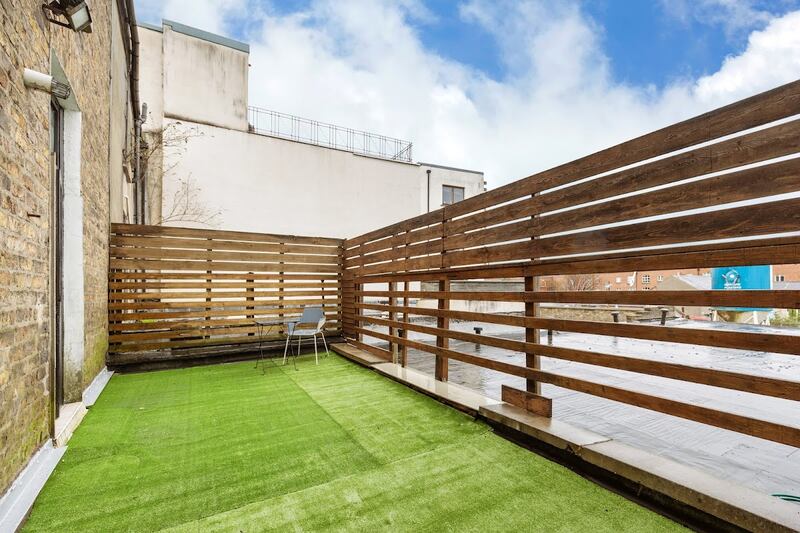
(449, 393)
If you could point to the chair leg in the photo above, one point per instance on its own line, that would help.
(316, 355)
(286, 348)
(324, 343)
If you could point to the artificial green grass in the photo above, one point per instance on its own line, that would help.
(328, 447)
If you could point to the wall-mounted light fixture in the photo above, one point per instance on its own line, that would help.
(44, 82)
(75, 12)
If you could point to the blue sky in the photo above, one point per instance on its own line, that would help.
(508, 87)
(647, 42)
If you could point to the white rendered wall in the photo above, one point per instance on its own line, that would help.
(72, 259)
(151, 81)
(472, 182)
(203, 81)
(264, 184)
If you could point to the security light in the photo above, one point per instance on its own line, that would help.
(76, 13)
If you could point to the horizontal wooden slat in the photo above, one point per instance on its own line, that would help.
(251, 304)
(169, 285)
(206, 322)
(778, 178)
(214, 341)
(777, 141)
(138, 317)
(117, 241)
(169, 231)
(118, 275)
(737, 222)
(224, 266)
(763, 108)
(778, 388)
(734, 422)
(740, 340)
(419, 221)
(780, 299)
(162, 253)
(216, 294)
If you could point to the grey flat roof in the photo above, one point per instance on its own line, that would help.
(149, 26)
(201, 34)
(420, 163)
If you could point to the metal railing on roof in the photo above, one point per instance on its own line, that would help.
(276, 124)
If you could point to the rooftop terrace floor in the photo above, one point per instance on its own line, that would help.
(328, 447)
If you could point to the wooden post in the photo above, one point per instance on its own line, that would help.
(358, 299)
(532, 360)
(404, 334)
(442, 323)
(532, 334)
(251, 299)
(282, 327)
(208, 290)
(393, 346)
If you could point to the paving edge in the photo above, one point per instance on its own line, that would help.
(16, 503)
(721, 500)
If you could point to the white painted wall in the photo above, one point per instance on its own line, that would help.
(471, 181)
(151, 68)
(73, 283)
(266, 184)
(197, 82)
(204, 81)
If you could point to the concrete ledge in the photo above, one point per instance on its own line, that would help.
(451, 394)
(18, 500)
(723, 500)
(68, 419)
(354, 354)
(97, 385)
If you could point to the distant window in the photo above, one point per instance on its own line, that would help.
(452, 194)
(660, 278)
(619, 279)
(646, 279)
(780, 277)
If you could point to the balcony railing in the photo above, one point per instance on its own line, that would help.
(276, 124)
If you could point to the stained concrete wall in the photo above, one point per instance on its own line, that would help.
(203, 81)
(265, 184)
(195, 84)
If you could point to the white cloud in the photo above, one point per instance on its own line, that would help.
(735, 16)
(363, 64)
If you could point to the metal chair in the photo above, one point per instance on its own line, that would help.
(311, 324)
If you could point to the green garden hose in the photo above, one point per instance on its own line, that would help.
(787, 497)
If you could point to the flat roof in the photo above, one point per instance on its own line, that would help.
(420, 163)
(199, 34)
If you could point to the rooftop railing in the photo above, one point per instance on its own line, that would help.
(276, 124)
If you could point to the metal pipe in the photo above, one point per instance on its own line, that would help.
(138, 120)
(429, 190)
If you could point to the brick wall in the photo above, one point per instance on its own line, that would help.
(26, 40)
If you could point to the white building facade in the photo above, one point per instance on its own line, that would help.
(217, 161)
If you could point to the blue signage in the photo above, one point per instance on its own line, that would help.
(742, 278)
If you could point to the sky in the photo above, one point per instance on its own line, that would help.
(507, 87)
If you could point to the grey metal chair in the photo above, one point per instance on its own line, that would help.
(311, 324)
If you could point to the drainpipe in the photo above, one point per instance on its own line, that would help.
(429, 189)
(127, 10)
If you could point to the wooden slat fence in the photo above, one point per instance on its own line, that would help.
(175, 290)
(701, 193)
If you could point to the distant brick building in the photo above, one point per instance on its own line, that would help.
(63, 177)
